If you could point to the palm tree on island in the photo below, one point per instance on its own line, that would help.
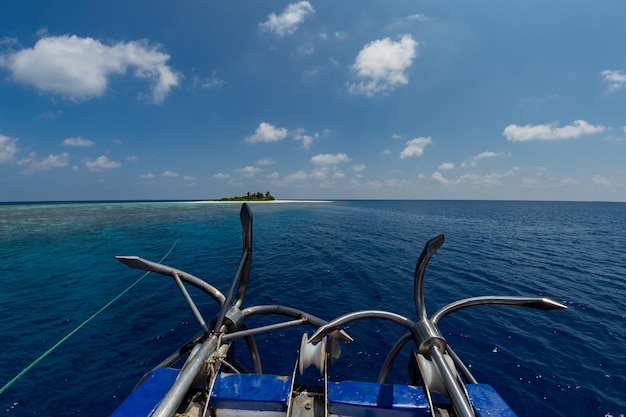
(250, 197)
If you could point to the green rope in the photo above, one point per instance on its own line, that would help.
(70, 334)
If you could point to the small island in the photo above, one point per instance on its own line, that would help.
(250, 197)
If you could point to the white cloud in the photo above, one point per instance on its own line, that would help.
(475, 179)
(33, 163)
(330, 159)
(79, 69)
(446, 166)
(415, 147)
(102, 162)
(320, 173)
(288, 21)
(358, 167)
(265, 161)
(381, 65)
(267, 133)
(147, 176)
(418, 16)
(249, 171)
(8, 148)
(296, 176)
(438, 177)
(307, 140)
(600, 180)
(132, 158)
(169, 174)
(77, 141)
(473, 161)
(210, 83)
(488, 154)
(221, 176)
(550, 131)
(615, 79)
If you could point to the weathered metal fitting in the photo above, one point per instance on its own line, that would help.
(428, 335)
(233, 319)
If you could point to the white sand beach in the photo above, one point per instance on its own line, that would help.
(259, 202)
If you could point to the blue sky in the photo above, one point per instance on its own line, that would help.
(312, 99)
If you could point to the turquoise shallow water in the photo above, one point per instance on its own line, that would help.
(57, 268)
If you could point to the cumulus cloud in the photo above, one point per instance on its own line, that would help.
(221, 176)
(321, 176)
(550, 131)
(8, 148)
(248, 171)
(381, 65)
(79, 69)
(267, 132)
(296, 176)
(266, 161)
(600, 180)
(34, 163)
(100, 163)
(170, 174)
(473, 161)
(289, 20)
(77, 141)
(330, 159)
(147, 176)
(438, 177)
(446, 166)
(418, 16)
(415, 147)
(474, 179)
(358, 167)
(615, 79)
(306, 140)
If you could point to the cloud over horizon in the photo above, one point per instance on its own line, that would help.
(34, 163)
(550, 131)
(100, 163)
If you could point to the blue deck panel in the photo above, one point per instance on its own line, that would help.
(259, 392)
(368, 399)
(271, 393)
(146, 398)
(487, 402)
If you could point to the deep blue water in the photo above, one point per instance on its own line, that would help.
(57, 268)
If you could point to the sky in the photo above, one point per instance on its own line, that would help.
(190, 99)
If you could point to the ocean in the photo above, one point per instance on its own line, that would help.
(62, 353)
